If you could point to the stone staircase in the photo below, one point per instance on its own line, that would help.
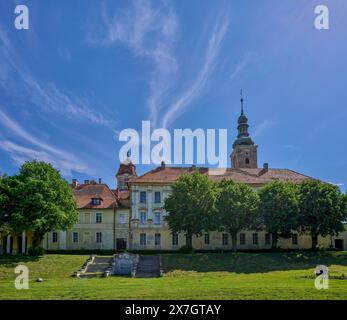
(98, 267)
(148, 267)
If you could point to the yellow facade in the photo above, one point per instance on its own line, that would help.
(16, 243)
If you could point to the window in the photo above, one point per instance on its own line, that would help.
(142, 239)
(157, 198)
(157, 239)
(242, 239)
(98, 237)
(54, 237)
(267, 238)
(87, 218)
(225, 239)
(122, 218)
(157, 218)
(143, 197)
(175, 239)
(294, 239)
(96, 201)
(98, 217)
(247, 161)
(255, 238)
(207, 238)
(75, 237)
(143, 217)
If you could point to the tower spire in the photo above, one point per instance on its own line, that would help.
(241, 102)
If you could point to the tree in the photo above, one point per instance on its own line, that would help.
(41, 201)
(190, 205)
(5, 204)
(322, 209)
(279, 209)
(237, 208)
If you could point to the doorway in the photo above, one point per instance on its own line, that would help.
(339, 244)
(19, 245)
(121, 244)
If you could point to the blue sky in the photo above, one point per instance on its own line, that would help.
(85, 70)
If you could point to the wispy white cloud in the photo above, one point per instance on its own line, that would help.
(64, 161)
(214, 46)
(47, 97)
(149, 32)
(339, 184)
(246, 59)
(263, 126)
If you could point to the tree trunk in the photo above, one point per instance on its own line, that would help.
(234, 241)
(274, 240)
(37, 239)
(314, 241)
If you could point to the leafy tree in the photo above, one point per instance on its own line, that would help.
(279, 209)
(322, 209)
(190, 205)
(5, 203)
(237, 208)
(41, 201)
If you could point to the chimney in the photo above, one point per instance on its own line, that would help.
(163, 164)
(266, 167)
(74, 183)
(86, 181)
(100, 181)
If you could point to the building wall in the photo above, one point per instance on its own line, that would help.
(87, 228)
(18, 245)
(138, 227)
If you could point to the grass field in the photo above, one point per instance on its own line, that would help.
(187, 276)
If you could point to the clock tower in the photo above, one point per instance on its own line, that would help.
(244, 153)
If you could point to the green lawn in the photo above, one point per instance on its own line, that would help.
(190, 276)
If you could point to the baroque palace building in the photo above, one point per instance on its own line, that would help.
(132, 216)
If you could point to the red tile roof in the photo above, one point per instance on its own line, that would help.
(168, 175)
(84, 193)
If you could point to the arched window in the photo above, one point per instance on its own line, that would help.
(247, 161)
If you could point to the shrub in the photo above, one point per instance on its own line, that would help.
(37, 251)
(186, 249)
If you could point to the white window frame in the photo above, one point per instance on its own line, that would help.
(145, 220)
(98, 214)
(156, 214)
(140, 200)
(145, 239)
(155, 239)
(96, 237)
(155, 200)
(54, 233)
(73, 237)
(121, 216)
(174, 236)
(207, 237)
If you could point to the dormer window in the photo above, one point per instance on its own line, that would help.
(96, 201)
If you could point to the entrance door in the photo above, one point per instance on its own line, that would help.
(339, 244)
(121, 244)
(4, 244)
(19, 245)
(11, 245)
